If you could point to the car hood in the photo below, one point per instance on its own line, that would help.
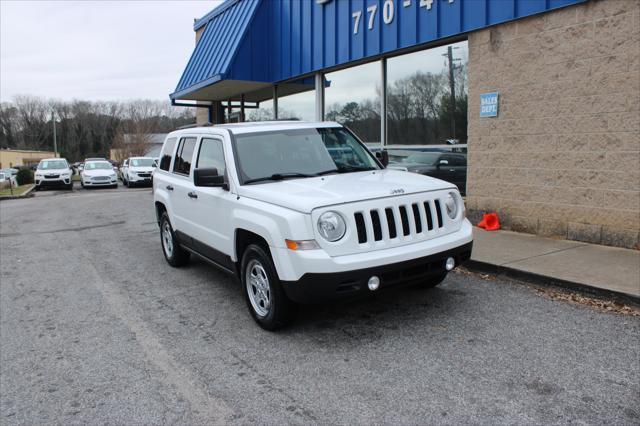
(99, 172)
(141, 169)
(306, 194)
(53, 171)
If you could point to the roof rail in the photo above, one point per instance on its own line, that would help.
(190, 126)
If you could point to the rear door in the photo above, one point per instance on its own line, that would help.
(181, 185)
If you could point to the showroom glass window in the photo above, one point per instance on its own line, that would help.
(297, 100)
(419, 97)
(352, 98)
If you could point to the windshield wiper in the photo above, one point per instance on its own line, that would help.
(278, 176)
(326, 172)
(349, 169)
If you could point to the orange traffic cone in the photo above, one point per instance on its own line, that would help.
(490, 222)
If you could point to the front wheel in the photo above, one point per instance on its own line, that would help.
(175, 255)
(267, 303)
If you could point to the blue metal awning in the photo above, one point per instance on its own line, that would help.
(212, 59)
(248, 45)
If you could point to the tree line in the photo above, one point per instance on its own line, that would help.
(83, 128)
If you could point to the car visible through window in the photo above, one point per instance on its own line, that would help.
(299, 153)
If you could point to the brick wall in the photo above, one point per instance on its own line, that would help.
(563, 156)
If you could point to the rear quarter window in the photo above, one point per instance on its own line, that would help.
(167, 153)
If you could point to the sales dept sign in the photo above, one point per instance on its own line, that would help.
(489, 104)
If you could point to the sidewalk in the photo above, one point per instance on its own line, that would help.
(587, 267)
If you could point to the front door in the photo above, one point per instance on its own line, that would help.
(209, 219)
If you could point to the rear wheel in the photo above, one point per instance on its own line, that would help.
(175, 255)
(267, 303)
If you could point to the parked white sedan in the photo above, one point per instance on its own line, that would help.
(137, 171)
(98, 173)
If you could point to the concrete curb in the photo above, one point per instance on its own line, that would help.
(533, 278)
(26, 194)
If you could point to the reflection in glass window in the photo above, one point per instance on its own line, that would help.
(297, 100)
(419, 97)
(263, 113)
(352, 98)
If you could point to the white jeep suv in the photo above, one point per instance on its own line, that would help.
(301, 213)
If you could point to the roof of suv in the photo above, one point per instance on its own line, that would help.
(259, 126)
(54, 159)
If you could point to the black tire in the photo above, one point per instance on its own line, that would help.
(115, 186)
(37, 188)
(126, 183)
(175, 255)
(433, 281)
(70, 186)
(280, 311)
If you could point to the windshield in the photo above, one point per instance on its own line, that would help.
(53, 165)
(429, 158)
(98, 165)
(300, 153)
(141, 162)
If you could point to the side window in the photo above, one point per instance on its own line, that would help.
(184, 156)
(125, 163)
(167, 153)
(211, 155)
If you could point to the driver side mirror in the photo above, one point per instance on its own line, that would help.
(209, 177)
(383, 157)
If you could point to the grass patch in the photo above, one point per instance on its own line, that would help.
(75, 178)
(16, 191)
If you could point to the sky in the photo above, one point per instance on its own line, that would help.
(96, 50)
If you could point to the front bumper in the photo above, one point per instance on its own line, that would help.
(42, 182)
(107, 182)
(139, 180)
(319, 287)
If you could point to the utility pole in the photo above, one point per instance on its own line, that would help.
(55, 142)
(452, 85)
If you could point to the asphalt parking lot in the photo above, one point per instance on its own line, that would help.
(97, 328)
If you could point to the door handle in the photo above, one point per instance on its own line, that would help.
(169, 188)
(452, 170)
(192, 195)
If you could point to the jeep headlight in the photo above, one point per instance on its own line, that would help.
(331, 226)
(451, 204)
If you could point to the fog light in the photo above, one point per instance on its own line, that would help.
(450, 263)
(374, 283)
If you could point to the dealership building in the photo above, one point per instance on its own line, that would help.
(543, 95)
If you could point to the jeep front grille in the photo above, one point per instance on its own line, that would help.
(391, 222)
